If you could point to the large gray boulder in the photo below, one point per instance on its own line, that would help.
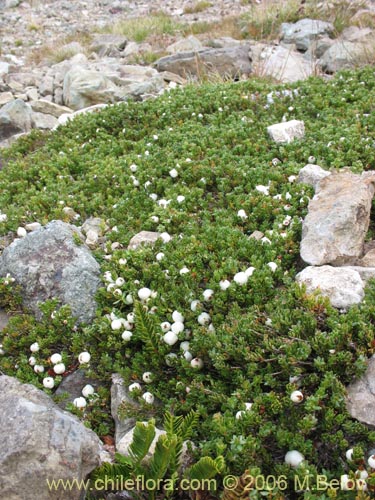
(231, 62)
(342, 285)
(107, 44)
(47, 263)
(338, 218)
(360, 401)
(312, 174)
(83, 88)
(305, 31)
(41, 443)
(15, 118)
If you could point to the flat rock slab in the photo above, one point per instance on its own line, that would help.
(287, 131)
(230, 62)
(338, 218)
(284, 65)
(39, 442)
(360, 401)
(342, 285)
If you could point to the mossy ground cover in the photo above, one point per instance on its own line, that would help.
(262, 339)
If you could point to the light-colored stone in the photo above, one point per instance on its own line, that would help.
(256, 235)
(287, 131)
(338, 218)
(189, 44)
(44, 121)
(304, 31)
(6, 97)
(95, 224)
(283, 64)
(360, 400)
(311, 174)
(143, 238)
(342, 285)
(15, 118)
(33, 226)
(66, 117)
(83, 88)
(50, 108)
(41, 442)
(46, 86)
(4, 68)
(109, 45)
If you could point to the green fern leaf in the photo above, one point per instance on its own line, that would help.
(189, 424)
(108, 472)
(206, 468)
(143, 436)
(145, 329)
(160, 461)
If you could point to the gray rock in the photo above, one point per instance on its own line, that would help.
(71, 387)
(48, 263)
(191, 43)
(50, 108)
(311, 174)
(46, 86)
(4, 319)
(94, 224)
(287, 131)
(66, 117)
(143, 238)
(231, 62)
(23, 80)
(342, 285)
(356, 34)
(32, 94)
(360, 400)
(366, 273)
(39, 443)
(342, 54)
(44, 121)
(304, 31)
(15, 118)
(150, 87)
(120, 397)
(338, 218)
(318, 48)
(83, 88)
(283, 64)
(109, 45)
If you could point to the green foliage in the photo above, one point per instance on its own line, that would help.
(265, 338)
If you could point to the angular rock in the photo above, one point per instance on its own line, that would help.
(304, 31)
(143, 238)
(40, 442)
(83, 88)
(109, 45)
(50, 108)
(46, 86)
(231, 62)
(66, 117)
(311, 174)
(342, 285)
(366, 273)
(343, 54)
(4, 319)
(4, 68)
(95, 224)
(338, 218)
(283, 64)
(43, 121)
(287, 131)
(360, 400)
(189, 44)
(48, 263)
(15, 118)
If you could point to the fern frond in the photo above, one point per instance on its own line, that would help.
(241, 491)
(143, 436)
(189, 424)
(172, 424)
(206, 468)
(146, 330)
(164, 450)
(108, 472)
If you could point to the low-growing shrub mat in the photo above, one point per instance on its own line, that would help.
(268, 338)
